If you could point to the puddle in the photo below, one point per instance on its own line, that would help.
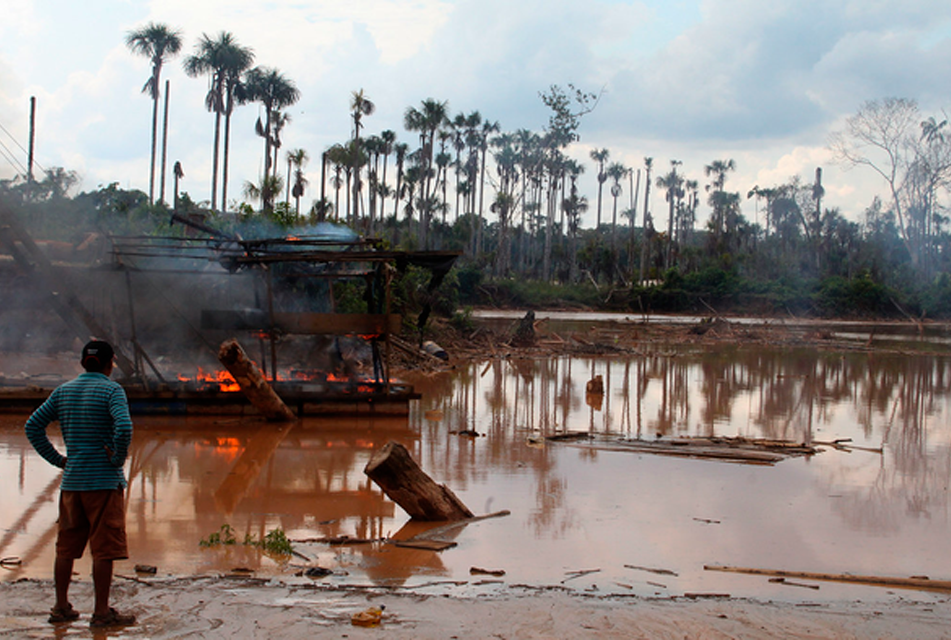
(581, 518)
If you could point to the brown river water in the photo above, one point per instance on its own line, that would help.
(581, 518)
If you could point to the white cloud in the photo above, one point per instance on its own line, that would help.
(759, 82)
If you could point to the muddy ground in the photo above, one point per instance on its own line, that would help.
(222, 607)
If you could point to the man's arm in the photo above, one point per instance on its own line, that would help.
(122, 426)
(36, 433)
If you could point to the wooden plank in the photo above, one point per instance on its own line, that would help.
(430, 545)
(877, 581)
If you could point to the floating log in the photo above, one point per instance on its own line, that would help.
(729, 449)
(876, 581)
(395, 471)
(252, 382)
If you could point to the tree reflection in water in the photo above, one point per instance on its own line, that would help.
(579, 507)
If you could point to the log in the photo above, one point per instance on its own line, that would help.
(393, 469)
(877, 581)
(252, 382)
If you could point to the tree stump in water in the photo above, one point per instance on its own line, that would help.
(393, 469)
(525, 332)
(252, 382)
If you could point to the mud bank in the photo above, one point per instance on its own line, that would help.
(217, 607)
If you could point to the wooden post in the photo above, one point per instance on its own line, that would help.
(252, 382)
(395, 471)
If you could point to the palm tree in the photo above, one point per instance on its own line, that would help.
(265, 192)
(223, 60)
(179, 173)
(274, 92)
(426, 121)
(616, 171)
(400, 149)
(488, 128)
(298, 158)
(360, 106)
(279, 120)
(601, 157)
(672, 182)
(387, 140)
(718, 169)
(237, 61)
(647, 227)
(157, 42)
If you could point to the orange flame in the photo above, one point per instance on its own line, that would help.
(225, 381)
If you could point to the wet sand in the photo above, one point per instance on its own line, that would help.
(222, 607)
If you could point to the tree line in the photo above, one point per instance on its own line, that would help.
(510, 201)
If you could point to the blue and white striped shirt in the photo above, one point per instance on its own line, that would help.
(93, 415)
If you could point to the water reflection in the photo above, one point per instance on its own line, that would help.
(572, 509)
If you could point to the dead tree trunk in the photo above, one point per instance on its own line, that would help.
(252, 382)
(395, 471)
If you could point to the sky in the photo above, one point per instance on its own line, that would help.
(762, 83)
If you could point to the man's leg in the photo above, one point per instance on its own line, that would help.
(102, 583)
(62, 576)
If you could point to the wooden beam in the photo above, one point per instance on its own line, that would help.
(877, 581)
(252, 382)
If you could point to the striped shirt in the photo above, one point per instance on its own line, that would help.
(93, 415)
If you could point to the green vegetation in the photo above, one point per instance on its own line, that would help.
(509, 202)
(275, 542)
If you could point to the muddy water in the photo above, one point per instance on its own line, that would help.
(573, 509)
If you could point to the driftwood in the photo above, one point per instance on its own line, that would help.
(393, 469)
(919, 582)
(252, 382)
(744, 450)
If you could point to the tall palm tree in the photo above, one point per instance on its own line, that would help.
(360, 105)
(238, 60)
(426, 121)
(601, 157)
(401, 149)
(158, 43)
(179, 173)
(223, 60)
(387, 140)
(279, 120)
(718, 170)
(616, 171)
(672, 182)
(274, 91)
(647, 228)
(297, 158)
(488, 128)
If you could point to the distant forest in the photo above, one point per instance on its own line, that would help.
(509, 203)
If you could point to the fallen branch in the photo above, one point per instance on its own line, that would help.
(662, 572)
(430, 534)
(579, 573)
(877, 581)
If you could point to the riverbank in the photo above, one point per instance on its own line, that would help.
(219, 607)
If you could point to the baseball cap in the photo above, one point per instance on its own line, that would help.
(96, 354)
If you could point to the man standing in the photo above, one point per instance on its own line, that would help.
(93, 415)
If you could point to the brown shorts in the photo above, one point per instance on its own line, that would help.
(96, 517)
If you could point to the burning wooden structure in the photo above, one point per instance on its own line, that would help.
(167, 303)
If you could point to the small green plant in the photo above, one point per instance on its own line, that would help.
(274, 542)
(224, 536)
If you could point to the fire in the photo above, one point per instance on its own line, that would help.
(225, 381)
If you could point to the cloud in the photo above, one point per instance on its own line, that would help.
(688, 79)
